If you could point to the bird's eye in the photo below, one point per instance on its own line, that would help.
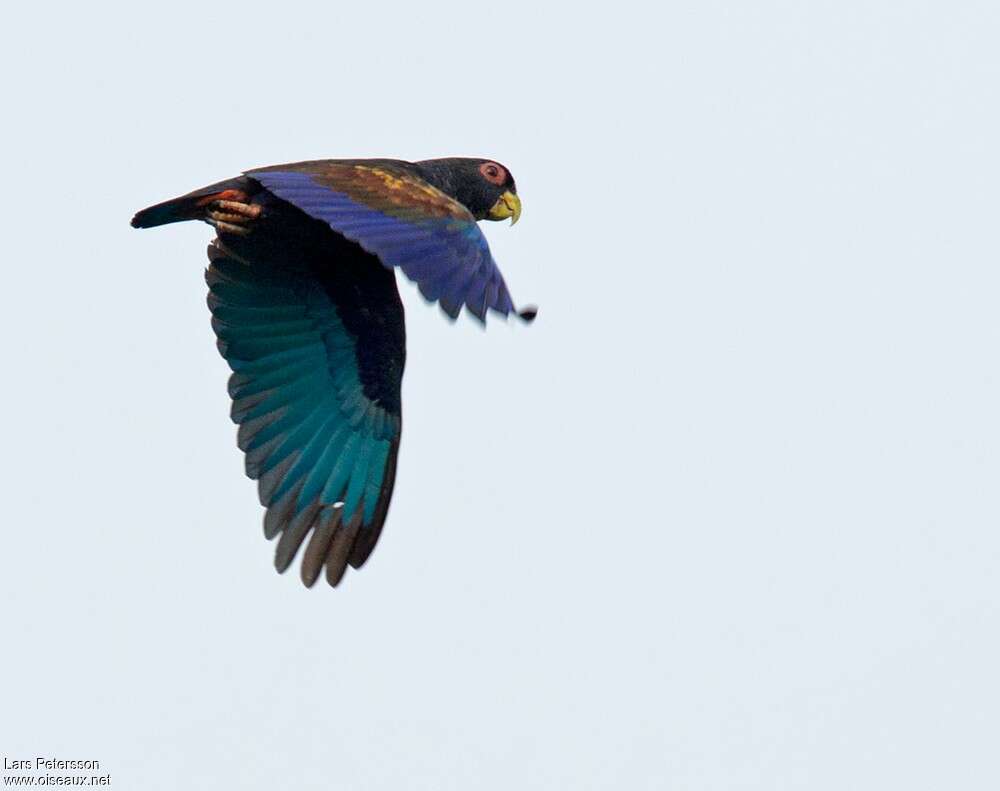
(493, 173)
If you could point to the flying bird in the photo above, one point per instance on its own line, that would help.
(304, 304)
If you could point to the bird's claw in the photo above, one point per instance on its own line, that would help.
(233, 217)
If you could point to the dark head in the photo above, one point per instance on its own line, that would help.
(483, 186)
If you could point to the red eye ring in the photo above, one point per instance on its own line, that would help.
(493, 173)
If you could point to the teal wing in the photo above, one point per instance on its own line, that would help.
(317, 354)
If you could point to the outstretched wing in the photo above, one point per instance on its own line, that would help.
(314, 336)
(405, 222)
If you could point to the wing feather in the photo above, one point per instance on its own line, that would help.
(402, 220)
(315, 389)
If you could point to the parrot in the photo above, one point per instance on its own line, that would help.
(306, 311)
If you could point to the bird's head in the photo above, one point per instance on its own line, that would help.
(483, 186)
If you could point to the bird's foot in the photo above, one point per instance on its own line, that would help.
(229, 216)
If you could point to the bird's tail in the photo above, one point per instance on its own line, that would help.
(193, 205)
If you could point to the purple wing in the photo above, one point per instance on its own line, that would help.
(406, 223)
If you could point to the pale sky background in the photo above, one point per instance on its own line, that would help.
(726, 517)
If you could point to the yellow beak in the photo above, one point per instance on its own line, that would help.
(507, 205)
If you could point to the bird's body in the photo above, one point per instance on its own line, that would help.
(304, 303)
